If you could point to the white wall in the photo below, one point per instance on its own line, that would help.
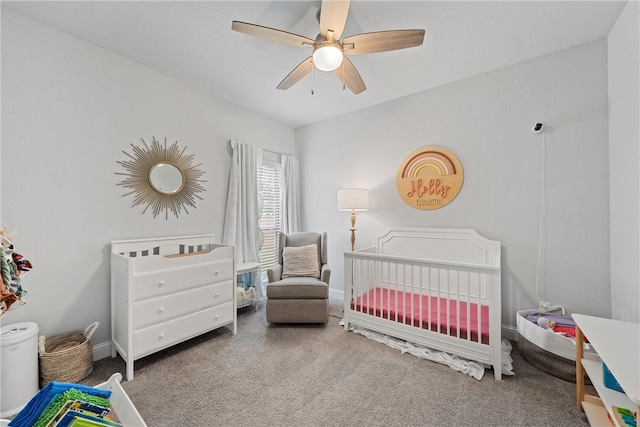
(486, 121)
(624, 163)
(69, 109)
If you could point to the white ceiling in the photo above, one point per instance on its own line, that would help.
(193, 42)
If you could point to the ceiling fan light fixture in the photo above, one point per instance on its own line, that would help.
(327, 56)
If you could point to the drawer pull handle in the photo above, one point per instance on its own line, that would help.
(216, 295)
(161, 336)
(161, 283)
(216, 272)
(161, 309)
(217, 316)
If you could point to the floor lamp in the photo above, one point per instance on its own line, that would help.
(353, 200)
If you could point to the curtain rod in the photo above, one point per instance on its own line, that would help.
(276, 152)
(271, 151)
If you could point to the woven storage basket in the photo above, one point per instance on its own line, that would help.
(66, 357)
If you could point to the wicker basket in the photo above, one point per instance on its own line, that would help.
(66, 357)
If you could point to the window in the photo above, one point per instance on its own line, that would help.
(270, 192)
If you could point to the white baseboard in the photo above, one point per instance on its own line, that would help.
(510, 333)
(102, 350)
(336, 293)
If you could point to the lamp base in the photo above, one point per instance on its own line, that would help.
(353, 238)
(353, 230)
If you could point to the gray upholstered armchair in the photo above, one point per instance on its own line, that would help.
(298, 288)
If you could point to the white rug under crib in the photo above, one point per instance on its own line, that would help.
(469, 367)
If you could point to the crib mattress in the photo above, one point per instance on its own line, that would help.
(450, 317)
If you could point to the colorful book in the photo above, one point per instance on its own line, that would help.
(80, 417)
(97, 410)
(625, 417)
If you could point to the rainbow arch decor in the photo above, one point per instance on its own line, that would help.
(429, 178)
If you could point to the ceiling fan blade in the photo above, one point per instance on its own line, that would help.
(333, 16)
(350, 76)
(382, 41)
(271, 34)
(297, 74)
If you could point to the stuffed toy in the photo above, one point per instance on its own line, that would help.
(6, 262)
(12, 267)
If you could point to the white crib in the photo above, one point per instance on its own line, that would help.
(437, 287)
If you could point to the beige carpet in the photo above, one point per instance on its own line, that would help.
(320, 375)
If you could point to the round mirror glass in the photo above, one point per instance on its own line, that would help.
(166, 178)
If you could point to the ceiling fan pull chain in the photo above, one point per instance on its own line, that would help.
(312, 92)
(343, 85)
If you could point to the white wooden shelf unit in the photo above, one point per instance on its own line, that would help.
(617, 344)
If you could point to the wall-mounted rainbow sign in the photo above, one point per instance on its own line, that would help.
(429, 178)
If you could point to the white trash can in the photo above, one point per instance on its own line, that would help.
(19, 366)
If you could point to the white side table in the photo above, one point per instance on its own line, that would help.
(248, 276)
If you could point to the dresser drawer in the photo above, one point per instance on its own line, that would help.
(154, 338)
(171, 281)
(157, 310)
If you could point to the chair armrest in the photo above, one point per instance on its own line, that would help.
(325, 273)
(274, 273)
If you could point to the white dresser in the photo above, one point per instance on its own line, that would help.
(167, 290)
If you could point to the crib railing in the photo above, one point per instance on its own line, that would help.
(171, 250)
(450, 298)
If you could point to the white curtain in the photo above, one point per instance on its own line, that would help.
(290, 194)
(241, 219)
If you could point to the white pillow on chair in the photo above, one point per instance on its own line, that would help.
(301, 261)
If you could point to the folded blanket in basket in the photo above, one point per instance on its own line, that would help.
(561, 320)
(564, 325)
(38, 403)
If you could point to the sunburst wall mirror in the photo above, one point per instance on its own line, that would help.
(161, 178)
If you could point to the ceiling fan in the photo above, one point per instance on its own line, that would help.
(329, 51)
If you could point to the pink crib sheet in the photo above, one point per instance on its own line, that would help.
(382, 303)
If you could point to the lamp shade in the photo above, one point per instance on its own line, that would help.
(353, 199)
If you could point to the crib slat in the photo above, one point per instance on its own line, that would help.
(479, 310)
(448, 309)
(360, 283)
(419, 282)
(374, 282)
(368, 284)
(438, 308)
(429, 314)
(447, 314)
(457, 301)
(404, 293)
(468, 308)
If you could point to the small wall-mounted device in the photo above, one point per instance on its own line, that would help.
(537, 128)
